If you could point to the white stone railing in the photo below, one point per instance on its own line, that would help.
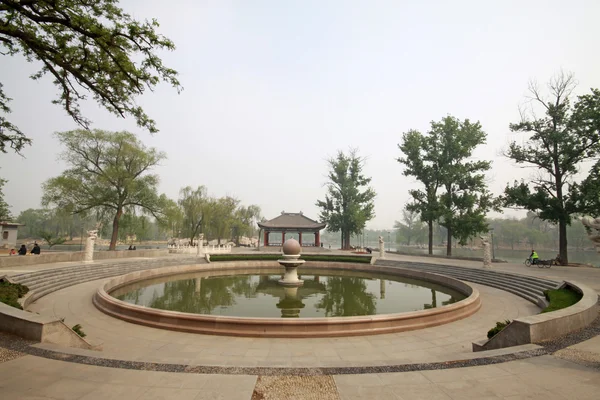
(187, 249)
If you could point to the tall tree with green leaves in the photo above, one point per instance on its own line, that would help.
(348, 204)
(420, 161)
(194, 204)
(222, 214)
(86, 47)
(466, 201)
(555, 143)
(244, 221)
(109, 172)
(5, 214)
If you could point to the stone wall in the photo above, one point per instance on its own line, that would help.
(74, 256)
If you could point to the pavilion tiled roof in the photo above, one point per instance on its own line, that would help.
(292, 221)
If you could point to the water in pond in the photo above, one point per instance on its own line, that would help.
(257, 294)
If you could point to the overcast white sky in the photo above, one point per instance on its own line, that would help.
(274, 88)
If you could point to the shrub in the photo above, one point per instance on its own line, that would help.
(495, 330)
(78, 330)
(11, 292)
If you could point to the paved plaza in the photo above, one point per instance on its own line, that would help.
(138, 362)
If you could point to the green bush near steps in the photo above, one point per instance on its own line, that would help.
(275, 257)
(10, 293)
(496, 330)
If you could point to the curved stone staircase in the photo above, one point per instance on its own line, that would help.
(41, 283)
(528, 287)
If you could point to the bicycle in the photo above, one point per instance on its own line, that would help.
(540, 263)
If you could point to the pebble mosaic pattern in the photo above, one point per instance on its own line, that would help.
(295, 387)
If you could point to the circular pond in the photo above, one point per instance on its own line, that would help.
(325, 293)
(244, 298)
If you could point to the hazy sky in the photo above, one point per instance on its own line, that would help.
(274, 88)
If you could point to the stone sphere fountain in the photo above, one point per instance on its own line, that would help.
(291, 261)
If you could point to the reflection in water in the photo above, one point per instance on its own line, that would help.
(337, 294)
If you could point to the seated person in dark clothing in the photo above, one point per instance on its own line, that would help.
(36, 249)
(22, 250)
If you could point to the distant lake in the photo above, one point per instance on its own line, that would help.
(513, 256)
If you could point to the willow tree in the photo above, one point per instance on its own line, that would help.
(194, 205)
(109, 172)
(87, 47)
(556, 143)
(348, 204)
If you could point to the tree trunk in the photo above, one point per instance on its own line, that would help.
(115, 232)
(449, 242)
(430, 225)
(562, 245)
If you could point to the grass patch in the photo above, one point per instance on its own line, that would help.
(274, 257)
(560, 298)
(11, 292)
(496, 330)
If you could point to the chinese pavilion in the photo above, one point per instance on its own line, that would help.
(291, 223)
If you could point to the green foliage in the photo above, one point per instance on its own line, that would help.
(556, 144)
(588, 192)
(411, 229)
(108, 174)
(347, 207)
(86, 47)
(274, 257)
(78, 330)
(11, 292)
(442, 160)
(420, 153)
(5, 214)
(195, 208)
(499, 326)
(51, 238)
(244, 221)
(560, 298)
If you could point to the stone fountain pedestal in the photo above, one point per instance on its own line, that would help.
(291, 261)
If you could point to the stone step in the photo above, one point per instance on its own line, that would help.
(443, 268)
(522, 284)
(34, 285)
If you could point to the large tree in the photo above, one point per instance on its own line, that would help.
(5, 214)
(466, 201)
(87, 47)
(420, 161)
(555, 144)
(194, 204)
(108, 172)
(440, 160)
(348, 204)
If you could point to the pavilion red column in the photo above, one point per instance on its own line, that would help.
(300, 238)
(318, 238)
(282, 237)
(266, 238)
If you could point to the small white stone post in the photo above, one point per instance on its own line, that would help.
(487, 254)
(381, 248)
(88, 255)
(199, 247)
